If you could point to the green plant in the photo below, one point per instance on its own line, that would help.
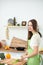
(18, 24)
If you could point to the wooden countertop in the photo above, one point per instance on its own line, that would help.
(10, 50)
(14, 50)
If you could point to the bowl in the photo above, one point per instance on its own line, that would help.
(20, 48)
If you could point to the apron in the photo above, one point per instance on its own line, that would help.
(35, 60)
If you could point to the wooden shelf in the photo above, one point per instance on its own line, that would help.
(17, 26)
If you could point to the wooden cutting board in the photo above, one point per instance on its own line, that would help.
(10, 62)
(16, 42)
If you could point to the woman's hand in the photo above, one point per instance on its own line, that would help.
(23, 57)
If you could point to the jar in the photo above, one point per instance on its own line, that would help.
(23, 23)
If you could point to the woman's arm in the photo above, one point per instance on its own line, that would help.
(35, 52)
(25, 53)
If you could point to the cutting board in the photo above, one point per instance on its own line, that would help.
(11, 62)
(16, 42)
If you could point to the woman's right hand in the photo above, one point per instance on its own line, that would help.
(21, 58)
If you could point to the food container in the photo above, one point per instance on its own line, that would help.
(20, 48)
(23, 23)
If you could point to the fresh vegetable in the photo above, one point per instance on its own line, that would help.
(8, 55)
(15, 61)
(2, 56)
(6, 47)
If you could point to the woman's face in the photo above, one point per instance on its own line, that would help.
(30, 26)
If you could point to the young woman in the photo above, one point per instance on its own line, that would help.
(33, 43)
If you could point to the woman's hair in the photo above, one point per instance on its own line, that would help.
(30, 34)
(35, 27)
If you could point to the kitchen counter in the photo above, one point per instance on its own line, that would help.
(11, 50)
(14, 53)
(41, 52)
(18, 55)
(14, 50)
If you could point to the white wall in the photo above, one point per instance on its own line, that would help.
(18, 32)
(22, 10)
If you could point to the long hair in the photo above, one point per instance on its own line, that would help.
(35, 27)
(30, 34)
